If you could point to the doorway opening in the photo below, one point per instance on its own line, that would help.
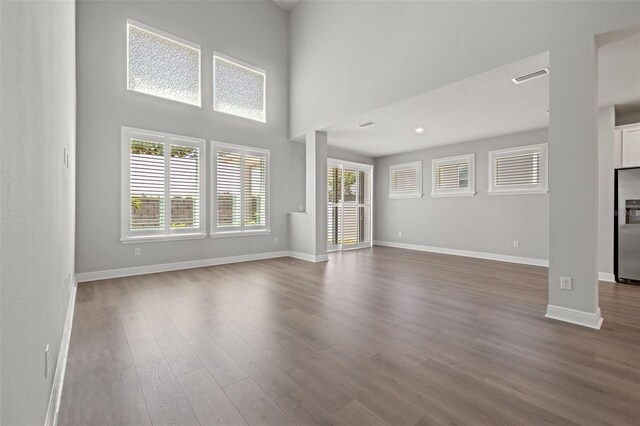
(349, 200)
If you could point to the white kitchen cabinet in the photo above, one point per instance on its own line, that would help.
(630, 145)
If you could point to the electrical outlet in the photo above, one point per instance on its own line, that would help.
(46, 361)
(399, 234)
(275, 240)
(516, 244)
(137, 251)
(566, 283)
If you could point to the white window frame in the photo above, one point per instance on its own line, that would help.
(176, 39)
(128, 236)
(454, 192)
(413, 165)
(541, 188)
(248, 66)
(358, 167)
(239, 231)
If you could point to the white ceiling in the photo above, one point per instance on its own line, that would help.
(286, 4)
(483, 106)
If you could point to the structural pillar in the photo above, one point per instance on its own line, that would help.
(308, 231)
(573, 174)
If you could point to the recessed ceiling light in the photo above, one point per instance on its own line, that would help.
(530, 76)
(419, 130)
(367, 124)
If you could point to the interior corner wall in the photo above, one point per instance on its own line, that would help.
(252, 31)
(481, 223)
(37, 203)
(606, 167)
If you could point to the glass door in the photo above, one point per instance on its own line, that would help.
(349, 196)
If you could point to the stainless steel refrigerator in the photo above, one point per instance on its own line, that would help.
(627, 225)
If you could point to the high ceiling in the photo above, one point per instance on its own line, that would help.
(483, 106)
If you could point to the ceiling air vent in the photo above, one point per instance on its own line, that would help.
(531, 76)
(367, 124)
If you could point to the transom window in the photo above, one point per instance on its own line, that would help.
(162, 189)
(240, 190)
(162, 65)
(453, 176)
(518, 170)
(238, 88)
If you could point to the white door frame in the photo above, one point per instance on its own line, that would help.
(342, 165)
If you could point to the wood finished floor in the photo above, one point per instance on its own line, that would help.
(373, 337)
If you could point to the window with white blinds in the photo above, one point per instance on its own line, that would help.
(240, 190)
(349, 196)
(453, 176)
(518, 170)
(405, 180)
(162, 189)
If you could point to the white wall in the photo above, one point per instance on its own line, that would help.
(339, 154)
(38, 195)
(351, 57)
(482, 223)
(606, 165)
(297, 188)
(255, 32)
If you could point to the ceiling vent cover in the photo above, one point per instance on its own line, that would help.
(531, 76)
(367, 124)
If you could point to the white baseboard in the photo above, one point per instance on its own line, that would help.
(165, 267)
(606, 276)
(309, 257)
(585, 319)
(602, 276)
(61, 366)
(466, 253)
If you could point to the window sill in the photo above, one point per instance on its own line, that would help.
(519, 192)
(158, 238)
(405, 195)
(453, 194)
(240, 233)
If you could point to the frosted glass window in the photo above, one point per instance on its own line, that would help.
(239, 89)
(162, 65)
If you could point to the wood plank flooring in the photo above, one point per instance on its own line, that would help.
(377, 336)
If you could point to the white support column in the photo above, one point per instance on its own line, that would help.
(573, 173)
(308, 232)
(317, 188)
